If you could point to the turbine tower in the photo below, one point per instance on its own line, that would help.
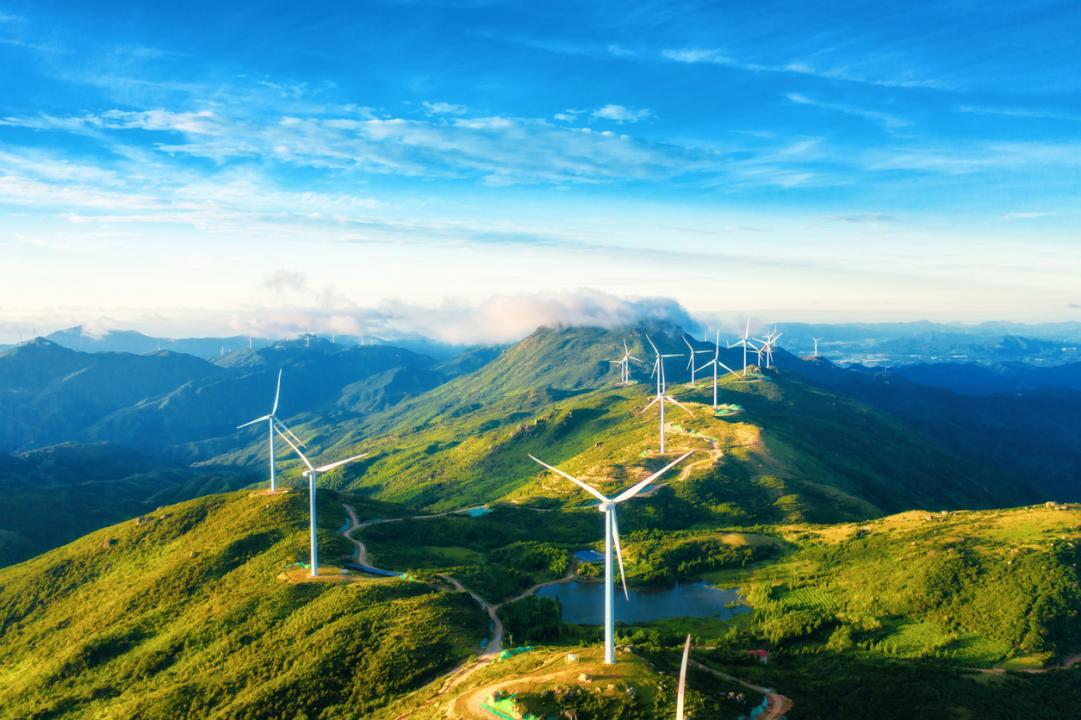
(692, 352)
(611, 538)
(816, 340)
(270, 418)
(768, 342)
(313, 474)
(744, 342)
(717, 365)
(662, 395)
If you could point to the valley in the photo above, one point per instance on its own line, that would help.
(844, 536)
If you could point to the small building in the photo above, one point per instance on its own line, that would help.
(761, 655)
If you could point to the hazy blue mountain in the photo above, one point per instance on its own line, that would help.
(979, 379)
(50, 394)
(1032, 434)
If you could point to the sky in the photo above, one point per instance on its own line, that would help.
(271, 168)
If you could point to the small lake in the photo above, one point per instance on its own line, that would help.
(583, 602)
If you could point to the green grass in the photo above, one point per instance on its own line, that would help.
(184, 616)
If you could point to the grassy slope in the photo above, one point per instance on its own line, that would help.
(796, 453)
(183, 616)
(56, 494)
(967, 587)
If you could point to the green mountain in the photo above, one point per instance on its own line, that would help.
(56, 494)
(185, 408)
(793, 450)
(182, 614)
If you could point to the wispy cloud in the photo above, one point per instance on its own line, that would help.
(445, 108)
(620, 114)
(1014, 112)
(887, 120)
(714, 56)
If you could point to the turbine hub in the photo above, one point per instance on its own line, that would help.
(604, 506)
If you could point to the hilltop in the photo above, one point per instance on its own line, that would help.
(182, 614)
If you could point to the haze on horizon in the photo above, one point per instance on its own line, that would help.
(406, 163)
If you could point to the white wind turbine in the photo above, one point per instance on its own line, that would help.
(745, 343)
(683, 678)
(768, 343)
(624, 364)
(692, 352)
(816, 341)
(611, 538)
(717, 365)
(270, 418)
(662, 395)
(313, 474)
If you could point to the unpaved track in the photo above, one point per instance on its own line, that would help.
(778, 705)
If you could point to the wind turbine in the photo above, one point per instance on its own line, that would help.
(744, 342)
(682, 678)
(313, 474)
(692, 352)
(624, 364)
(816, 339)
(717, 364)
(662, 397)
(772, 336)
(270, 418)
(611, 537)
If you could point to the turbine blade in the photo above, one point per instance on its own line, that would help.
(698, 370)
(632, 357)
(252, 422)
(729, 369)
(651, 403)
(295, 448)
(277, 392)
(682, 679)
(619, 554)
(294, 435)
(652, 345)
(331, 466)
(573, 479)
(635, 489)
(677, 403)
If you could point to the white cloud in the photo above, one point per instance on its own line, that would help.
(716, 57)
(498, 319)
(620, 114)
(889, 121)
(444, 108)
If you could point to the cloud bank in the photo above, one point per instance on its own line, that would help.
(499, 319)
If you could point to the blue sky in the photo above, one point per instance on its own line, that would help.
(273, 167)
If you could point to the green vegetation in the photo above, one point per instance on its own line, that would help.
(182, 614)
(972, 587)
(57, 494)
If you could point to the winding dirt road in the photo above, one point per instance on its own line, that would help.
(777, 705)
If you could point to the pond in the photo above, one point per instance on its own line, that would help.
(583, 602)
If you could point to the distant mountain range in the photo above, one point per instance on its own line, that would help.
(814, 440)
(130, 341)
(164, 402)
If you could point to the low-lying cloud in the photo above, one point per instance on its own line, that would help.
(499, 319)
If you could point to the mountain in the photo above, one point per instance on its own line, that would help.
(182, 614)
(1031, 435)
(56, 494)
(130, 341)
(988, 379)
(794, 450)
(927, 342)
(167, 403)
